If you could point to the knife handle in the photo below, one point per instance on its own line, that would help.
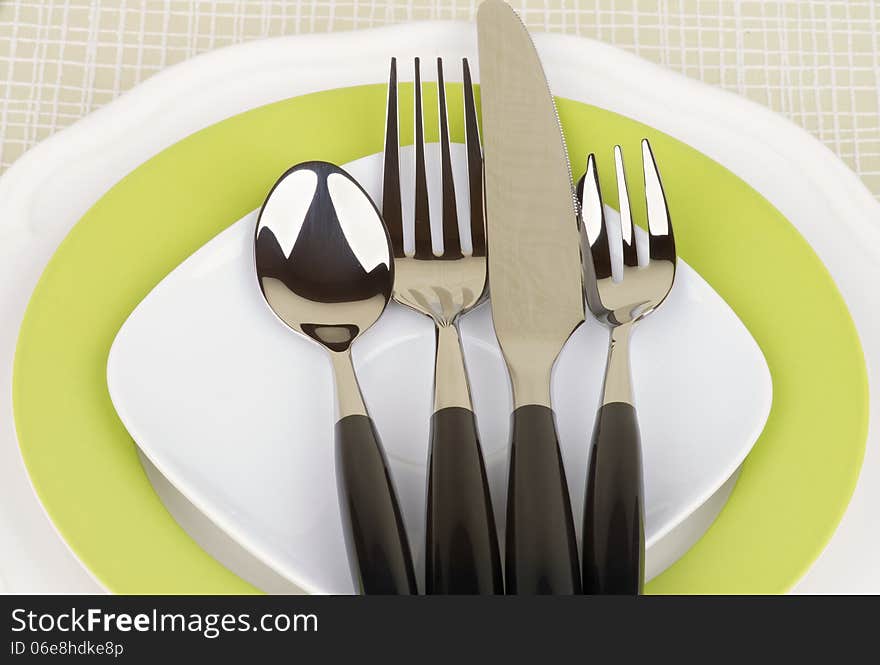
(461, 553)
(375, 538)
(542, 556)
(614, 521)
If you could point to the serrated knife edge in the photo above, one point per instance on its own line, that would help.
(535, 273)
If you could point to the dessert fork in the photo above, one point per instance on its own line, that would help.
(461, 553)
(614, 534)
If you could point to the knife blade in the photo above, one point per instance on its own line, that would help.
(536, 290)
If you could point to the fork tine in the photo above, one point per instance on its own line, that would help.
(392, 209)
(593, 217)
(451, 240)
(474, 164)
(660, 236)
(422, 213)
(627, 234)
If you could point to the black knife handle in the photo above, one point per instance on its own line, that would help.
(541, 555)
(461, 553)
(375, 538)
(614, 520)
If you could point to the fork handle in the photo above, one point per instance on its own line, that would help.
(461, 543)
(375, 537)
(461, 553)
(541, 556)
(614, 520)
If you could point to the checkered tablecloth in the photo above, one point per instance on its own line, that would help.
(815, 61)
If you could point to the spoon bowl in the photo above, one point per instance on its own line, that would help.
(322, 255)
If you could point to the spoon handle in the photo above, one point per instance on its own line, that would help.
(378, 550)
(541, 556)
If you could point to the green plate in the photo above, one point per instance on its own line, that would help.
(794, 486)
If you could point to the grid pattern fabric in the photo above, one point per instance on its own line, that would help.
(815, 61)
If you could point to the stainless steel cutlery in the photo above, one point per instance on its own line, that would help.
(327, 267)
(614, 533)
(536, 291)
(323, 263)
(461, 548)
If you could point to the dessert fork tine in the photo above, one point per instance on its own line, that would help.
(462, 553)
(614, 538)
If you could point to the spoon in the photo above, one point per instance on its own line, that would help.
(324, 265)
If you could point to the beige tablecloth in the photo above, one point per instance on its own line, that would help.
(815, 61)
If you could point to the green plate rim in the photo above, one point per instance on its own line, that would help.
(778, 518)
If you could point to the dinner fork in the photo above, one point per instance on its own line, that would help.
(461, 553)
(614, 534)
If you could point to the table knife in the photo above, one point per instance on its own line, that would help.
(535, 282)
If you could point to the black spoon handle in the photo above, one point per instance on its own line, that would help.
(614, 521)
(461, 554)
(541, 556)
(378, 550)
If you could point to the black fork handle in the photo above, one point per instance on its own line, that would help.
(375, 537)
(614, 521)
(462, 554)
(541, 556)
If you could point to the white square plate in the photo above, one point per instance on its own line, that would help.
(237, 411)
